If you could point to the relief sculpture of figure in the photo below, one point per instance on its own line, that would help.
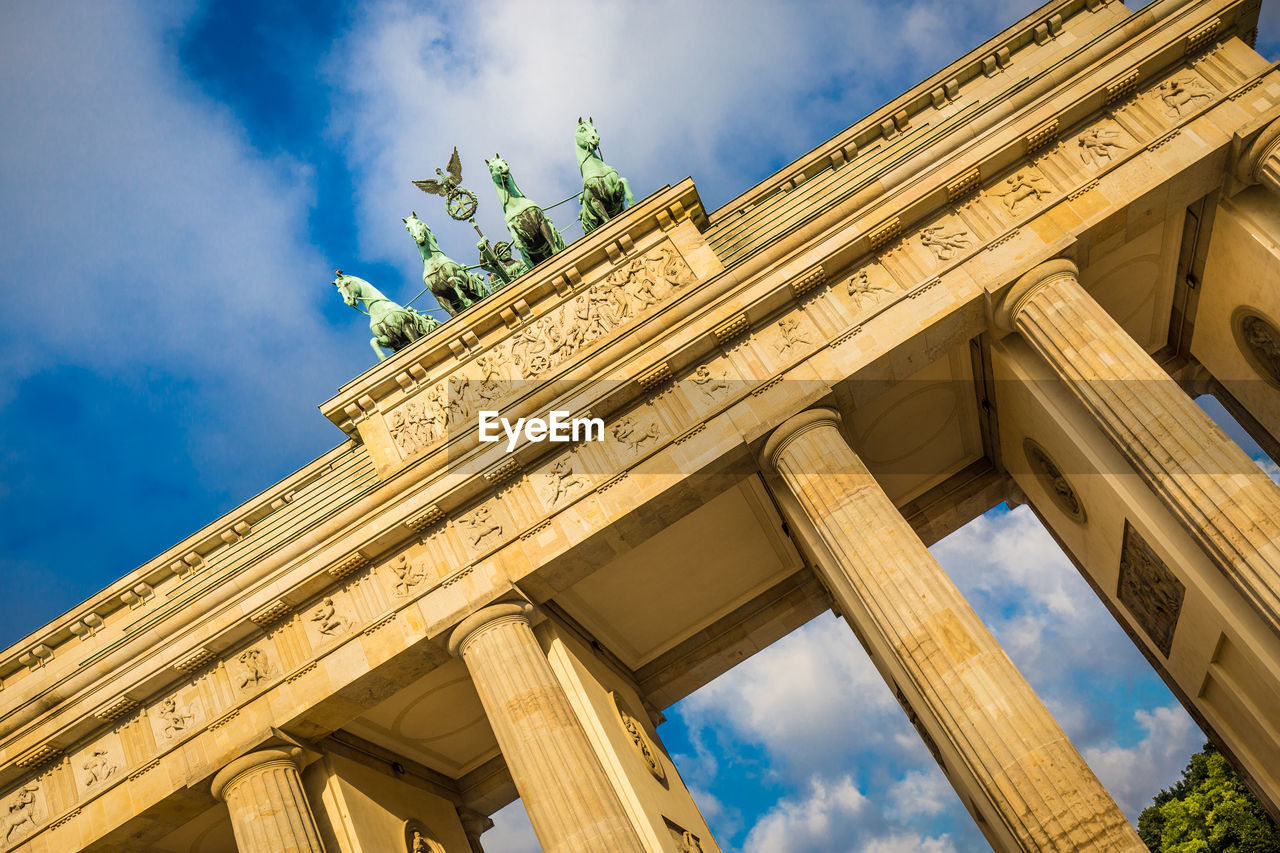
(22, 812)
(327, 619)
(394, 327)
(531, 230)
(98, 767)
(605, 193)
(1096, 144)
(1023, 185)
(175, 719)
(1180, 93)
(944, 243)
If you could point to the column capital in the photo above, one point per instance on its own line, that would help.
(792, 428)
(485, 618)
(249, 762)
(1260, 163)
(1006, 312)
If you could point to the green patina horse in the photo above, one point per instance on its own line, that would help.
(453, 287)
(394, 327)
(605, 193)
(531, 230)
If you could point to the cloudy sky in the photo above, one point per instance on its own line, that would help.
(181, 178)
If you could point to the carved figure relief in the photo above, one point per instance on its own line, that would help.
(792, 334)
(416, 425)
(624, 293)
(407, 575)
(626, 431)
(98, 768)
(20, 816)
(175, 718)
(1023, 186)
(479, 526)
(418, 839)
(489, 387)
(1148, 590)
(688, 843)
(561, 479)
(254, 668)
(327, 619)
(1181, 93)
(861, 287)
(1096, 146)
(1259, 340)
(708, 384)
(639, 738)
(944, 242)
(1053, 481)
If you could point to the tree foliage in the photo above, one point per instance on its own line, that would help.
(1209, 810)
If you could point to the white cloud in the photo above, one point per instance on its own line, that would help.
(919, 794)
(675, 88)
(1134, 774)
(144, 234)
(824, 817)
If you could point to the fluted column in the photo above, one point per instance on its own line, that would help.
(1261, 162)
(1011, 751)
(563, 786)
(269, 810)
(1229, 506)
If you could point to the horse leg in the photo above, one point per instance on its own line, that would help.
(626, 190)
(373, 342)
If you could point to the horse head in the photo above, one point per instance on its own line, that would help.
(348, 289)
(420, 233)
(587, 138)
(498, 169)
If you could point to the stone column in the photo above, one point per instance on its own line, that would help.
(1229, 506)
(563, 786)
(269, 810)
(1002, 744)
(474, 825)
(1261, 162)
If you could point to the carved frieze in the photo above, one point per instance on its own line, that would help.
(173, 719)
(1098, 146)
(560, 480)
(628, 291)
(1022, 190)
(1182, 94)
(326, 618)
(945, 241)
(1055, 484)
(253, 668)
(639, 739)
(1259, 341)
(21, 813)
(1149, 590)
(406, 574)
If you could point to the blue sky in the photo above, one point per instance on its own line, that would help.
(180, 180)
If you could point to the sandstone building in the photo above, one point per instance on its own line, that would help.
(1006, 284)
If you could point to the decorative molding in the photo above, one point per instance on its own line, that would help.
(453, 578)
(690, 433)
(1201, 36)
(1005, 238)
(224, 719)
(194, 660)
(118, 707)
(348, 564)
(731, 328)
(1121, 87)
(381, 623)
(762, 388)
(67, 818)
(270, 612)
(503, 471)
(964, 184)
(1089, 187)
(536, 529)
(610, 483)
(1041, 136)
(884, 232)
(429, 516)
(1050, 477)
(1164, 140)
(298, 673)
(144, 769)
(924, 288)
(37, 756)
(654, 376)
(846, 337)
(807, 281)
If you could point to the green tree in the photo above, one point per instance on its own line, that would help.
(1209, 810)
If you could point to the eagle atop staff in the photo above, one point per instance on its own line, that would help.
(447, 183)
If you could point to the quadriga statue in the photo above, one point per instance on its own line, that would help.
(394, 327)
(453, 286)
(605, 193)
(531, 231)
